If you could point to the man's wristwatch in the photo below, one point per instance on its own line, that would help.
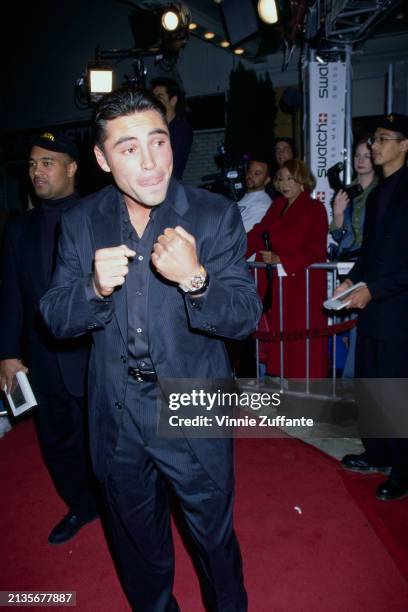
(197, 283)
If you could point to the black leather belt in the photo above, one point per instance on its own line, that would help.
(142, 375)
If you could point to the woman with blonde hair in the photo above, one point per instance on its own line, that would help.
(297, 226)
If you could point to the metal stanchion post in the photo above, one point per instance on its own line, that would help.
(308, 330)
(256, 339)
(281, 349)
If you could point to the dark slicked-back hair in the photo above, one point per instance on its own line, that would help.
(121, 103)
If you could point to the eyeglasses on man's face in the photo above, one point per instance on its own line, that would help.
(380, 140)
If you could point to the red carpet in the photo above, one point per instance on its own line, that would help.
(389, 519)
(306, 544)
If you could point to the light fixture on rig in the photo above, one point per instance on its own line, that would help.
(99, 79)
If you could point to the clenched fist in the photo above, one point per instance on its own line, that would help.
(110, 269)
(175, 256)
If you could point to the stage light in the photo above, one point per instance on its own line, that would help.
(268, 11)
(170, 20)
(209, 35)
(100, 81)
(225, 44)
(192, 26)
(175, 20)
(239, 51)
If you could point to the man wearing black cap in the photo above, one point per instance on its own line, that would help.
(56, 370)
(382, 344)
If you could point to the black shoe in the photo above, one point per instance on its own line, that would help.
(359, 463)
(67, 528)
(392, 490)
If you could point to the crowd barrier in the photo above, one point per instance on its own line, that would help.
(336, 324)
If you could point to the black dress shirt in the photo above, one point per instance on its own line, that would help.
(137, 284)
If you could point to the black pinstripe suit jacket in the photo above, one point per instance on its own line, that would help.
(185, 334)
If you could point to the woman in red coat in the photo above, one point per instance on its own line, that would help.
(297, 227)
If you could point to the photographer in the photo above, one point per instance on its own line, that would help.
(348, 213)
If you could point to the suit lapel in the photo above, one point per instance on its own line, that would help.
(172, 215)
(107, 233)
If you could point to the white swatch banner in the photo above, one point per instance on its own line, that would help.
(327, 102)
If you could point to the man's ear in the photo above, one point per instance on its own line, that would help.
(404, 145)
(173, 101)
(101, 159)
(268, 180)
(72, 168)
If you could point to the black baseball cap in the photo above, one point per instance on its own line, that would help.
(394, 122)
(54, 141)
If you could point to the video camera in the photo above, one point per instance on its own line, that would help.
(333, 176)
(230, 180)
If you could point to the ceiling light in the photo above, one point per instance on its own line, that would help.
(209, 35)
(225, 44)
(170, 21)
(267, 11)
(239, 51)
(192, 26)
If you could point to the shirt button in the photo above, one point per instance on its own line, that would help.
(142, 363)
(140, 258)
(139, 330)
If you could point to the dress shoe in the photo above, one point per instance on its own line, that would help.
(359, 463)
(67, 528)
(391, 489)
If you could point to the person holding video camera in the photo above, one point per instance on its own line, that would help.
(349, 206)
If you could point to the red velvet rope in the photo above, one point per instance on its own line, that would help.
(318, 332)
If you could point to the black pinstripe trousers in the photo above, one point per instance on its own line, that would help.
(143, 469)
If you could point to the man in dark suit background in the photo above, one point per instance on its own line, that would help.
(57, 370)
(156, 271)
(168, 91)
(382, 342)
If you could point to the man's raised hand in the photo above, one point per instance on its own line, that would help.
(110, 269)
(175, 255)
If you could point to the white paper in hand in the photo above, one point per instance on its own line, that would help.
(21, 398)
(341, 301)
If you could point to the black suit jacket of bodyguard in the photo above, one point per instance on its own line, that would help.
(23, 333)
(185, 334)
(383, 265)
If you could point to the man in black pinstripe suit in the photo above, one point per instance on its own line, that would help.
(156, 272)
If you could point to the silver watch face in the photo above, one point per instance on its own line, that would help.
(197, 281)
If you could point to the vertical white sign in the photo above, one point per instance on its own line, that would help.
(327, 103)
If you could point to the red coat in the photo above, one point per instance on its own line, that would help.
(299, 237)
